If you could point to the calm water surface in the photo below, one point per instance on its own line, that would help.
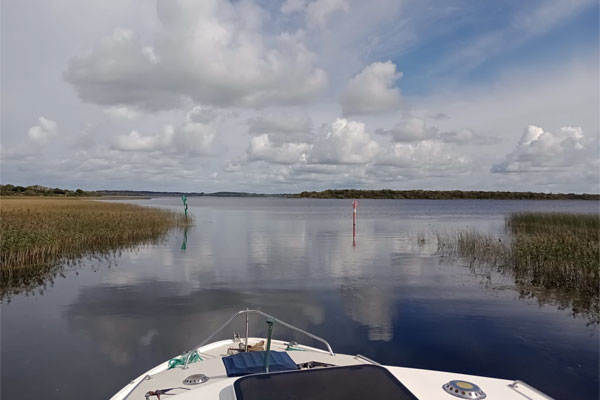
(388, 297)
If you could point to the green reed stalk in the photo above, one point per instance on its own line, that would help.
(36, 232)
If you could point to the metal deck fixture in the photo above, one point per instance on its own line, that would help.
(464, 390)
(195, 379)
(247, 312)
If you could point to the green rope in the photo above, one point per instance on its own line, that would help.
(291, 348)
(174, 362)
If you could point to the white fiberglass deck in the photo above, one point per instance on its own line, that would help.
(423, 384)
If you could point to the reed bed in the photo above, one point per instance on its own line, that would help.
(38, 232)
(477, 248)
(551, 252)
(559, 251)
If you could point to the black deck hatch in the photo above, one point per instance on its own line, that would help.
(355, 382)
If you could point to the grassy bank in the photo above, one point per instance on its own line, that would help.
(37, 232)
(544, 251)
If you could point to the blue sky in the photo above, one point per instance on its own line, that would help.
(575, 36)
(301, 95)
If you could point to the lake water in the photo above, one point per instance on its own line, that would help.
(87, 333)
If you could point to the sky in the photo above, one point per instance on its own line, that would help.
(286, 96)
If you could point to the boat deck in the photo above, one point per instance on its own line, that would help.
(212, 366)
(424, 384)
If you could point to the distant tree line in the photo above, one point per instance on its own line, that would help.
(37, 190)
(147, 193)
(441, 195)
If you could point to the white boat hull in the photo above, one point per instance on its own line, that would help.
(423, 384)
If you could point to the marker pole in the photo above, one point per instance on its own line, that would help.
(354, 204)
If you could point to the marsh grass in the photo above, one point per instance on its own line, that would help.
(551, 256)
(38, 233)
(557, 251)
(477, 248)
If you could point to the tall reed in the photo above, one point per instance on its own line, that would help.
(36, 232)
(560, 251)
(555, 252)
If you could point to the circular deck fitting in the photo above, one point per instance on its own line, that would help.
(195, 379)
(464, 390)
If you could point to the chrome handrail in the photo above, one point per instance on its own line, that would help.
(246, 312)
(367, 359)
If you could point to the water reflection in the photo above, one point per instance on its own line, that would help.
(371, 307)
(185, 231)
(28, 281)
(388, 297)
(127, 321)
(579, 306)
(502, 277)
(31, 281)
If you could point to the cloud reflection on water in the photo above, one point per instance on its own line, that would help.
(388, 298)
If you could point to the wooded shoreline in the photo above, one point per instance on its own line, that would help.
(37, 190)
(441, 195)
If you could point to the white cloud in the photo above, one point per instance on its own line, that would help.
(282, 127)
(343, 142)
(316, 12)
(41, 133)
(411, 128)
(211, 52)
(135, 141)
(121, 112)
(373, 90)
(232, 166)
(230, 57)
(440, 116)
(344, 148)
(149, 53)
(193, 138)
(540, 151)
(467, 136)
(292, 6)
(201, 114)
(279, 122)
(261, 148)
(321, 169)
(424, 155)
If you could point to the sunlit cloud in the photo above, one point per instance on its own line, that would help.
(301, 95)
